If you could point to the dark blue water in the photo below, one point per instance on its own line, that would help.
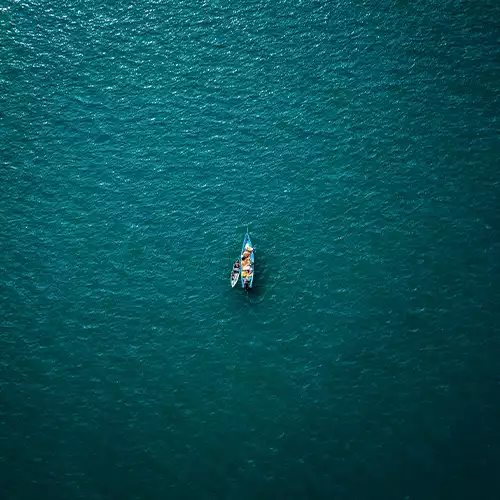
(358, 141)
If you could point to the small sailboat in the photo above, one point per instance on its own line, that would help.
(235, 273)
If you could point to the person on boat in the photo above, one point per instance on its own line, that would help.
(246, 284)
(236, 265)
(248, 248)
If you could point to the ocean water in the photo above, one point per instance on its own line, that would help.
(359, 141)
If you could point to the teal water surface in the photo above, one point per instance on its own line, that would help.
(358, 141)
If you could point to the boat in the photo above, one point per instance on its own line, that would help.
(235, 273)
(247, 259)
